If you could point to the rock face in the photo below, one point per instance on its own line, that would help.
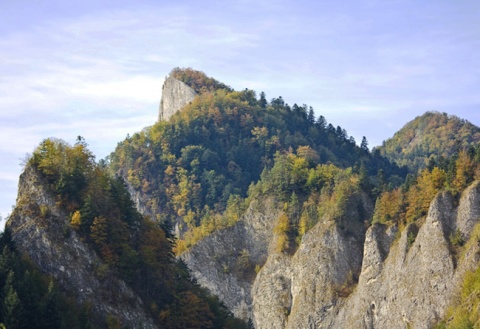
(338, 279)
(41, 230)
(414, 284)
(289, 291)
(175, 95)
(225, 262)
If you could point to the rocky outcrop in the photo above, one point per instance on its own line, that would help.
(289, 291)
(225, 262)
(387, 278)
(415, 283)
(302, 290)
(175, 95)
(41, 230)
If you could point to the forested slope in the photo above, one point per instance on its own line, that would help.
(190, 169)
(432, 136)
(88, 237)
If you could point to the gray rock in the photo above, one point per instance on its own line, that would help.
(175, 95)
(46, 237)
(214, 261)
(341, 279)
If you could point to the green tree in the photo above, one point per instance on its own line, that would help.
(263, 100)
(364, 144)
(50, 312)
(13, 312)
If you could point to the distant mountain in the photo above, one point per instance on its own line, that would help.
(432, 134)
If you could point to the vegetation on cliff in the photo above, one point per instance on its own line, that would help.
(309, 192)
(201, 170)
(198, 80)
(133, 248)
(213, 149)
(411, 201)
(465, 312)
(433, 135)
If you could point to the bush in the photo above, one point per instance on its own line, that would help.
(44, 210)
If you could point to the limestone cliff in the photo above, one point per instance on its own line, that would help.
(409, 284)
(175, 95)
(216, 261)
(41, 230)
(385, 278)
(289, 290)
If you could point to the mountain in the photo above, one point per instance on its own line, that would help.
(432, 135)
(77, 224)
(192, 168)
(232, 204)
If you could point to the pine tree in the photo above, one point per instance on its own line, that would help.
(364, 144)
(263, 100)
(50, 312)
(13, 312)
(311, 116)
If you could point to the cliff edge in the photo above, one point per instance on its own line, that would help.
(175, 95)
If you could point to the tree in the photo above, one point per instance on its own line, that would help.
(464, 171)
(51, 317)
(322, 122)
(364, 144)
(263, 100)
(311, 116)
(76, 220)
(283, 229)
(431, 164)
(13, 312)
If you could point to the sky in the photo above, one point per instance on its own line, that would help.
(96, 68)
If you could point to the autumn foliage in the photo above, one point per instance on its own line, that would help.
(137, 250)
(412, 200)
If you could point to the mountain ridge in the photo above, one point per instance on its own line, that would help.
(278, 213)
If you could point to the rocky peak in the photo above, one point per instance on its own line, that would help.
(175, 95)
(41, 230)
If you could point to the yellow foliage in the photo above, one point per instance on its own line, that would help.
(76, 220)
(308, 153)
(180, 247)
(260, 133)
(133, 179)
(420, 195)
(465, 171)
(465, 314)
(309, 216)
(389, 206)
(282, 229)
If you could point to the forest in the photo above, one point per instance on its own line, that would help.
(201, 163)
(132, 247)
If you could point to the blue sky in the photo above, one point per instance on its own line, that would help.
(71, 68)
